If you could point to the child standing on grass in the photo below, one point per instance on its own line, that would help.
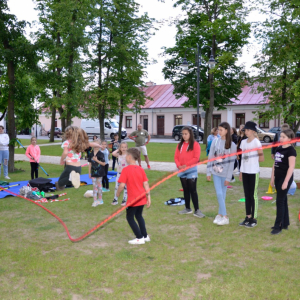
(249, 173)
(105, 181)
(76, 141)
(137, 184)
(115, 146)
(221, 169)
(120, 154)
(96, 172)
(33, 152)
(283, 168)
(187, 153)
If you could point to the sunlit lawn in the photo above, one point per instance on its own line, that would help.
(187, 258)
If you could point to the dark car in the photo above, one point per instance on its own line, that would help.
(176, 133)
(57, 132)
(275, 129)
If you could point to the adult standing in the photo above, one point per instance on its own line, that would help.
(276, 138)
(139, 136)
(4, 152)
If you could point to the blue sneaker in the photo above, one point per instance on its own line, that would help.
(105, 190)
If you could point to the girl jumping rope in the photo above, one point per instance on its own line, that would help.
(33, 152)
(120, 154)
(187, 154)
(221, 169)
(76, 141)
(96, 172)
(283, 168)
(249, 173)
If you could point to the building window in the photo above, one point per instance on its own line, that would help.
(129, 122)
(194, 120)
(177, 120)
(239, 120)
(216, 120)
(263, 123)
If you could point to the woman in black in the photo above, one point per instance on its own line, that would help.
(282, 177)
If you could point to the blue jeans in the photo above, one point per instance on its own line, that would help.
(221, 190)
(4, 156)
(189, 173)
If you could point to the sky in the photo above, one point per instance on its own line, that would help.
(165, 36)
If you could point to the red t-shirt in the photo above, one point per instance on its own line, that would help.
(134, 177)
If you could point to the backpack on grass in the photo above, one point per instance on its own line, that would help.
(43, 184)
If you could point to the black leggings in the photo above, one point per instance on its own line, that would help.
(65, 175)
(136, 211)
(115, 159)
(105, 182)
(190, 190)
(282, 214)
(250, 183)
(34, 170)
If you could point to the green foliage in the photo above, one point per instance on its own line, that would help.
(279, 63)
(209, 23)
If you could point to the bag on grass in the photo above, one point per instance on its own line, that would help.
(43, 184)
(175, 201)
(4, 183)
(88, 194)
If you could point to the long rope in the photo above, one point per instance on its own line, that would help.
(118, 211)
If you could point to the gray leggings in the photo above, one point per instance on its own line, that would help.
(65, 175)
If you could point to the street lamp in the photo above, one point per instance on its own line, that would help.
(185, 67)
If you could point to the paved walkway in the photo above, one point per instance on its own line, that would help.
(155, 165)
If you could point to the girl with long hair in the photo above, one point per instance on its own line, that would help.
(187, 154)
(221, 169)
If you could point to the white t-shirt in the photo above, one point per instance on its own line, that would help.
(250, 163)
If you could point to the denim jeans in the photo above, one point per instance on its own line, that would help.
(4, 156)
(221, 190)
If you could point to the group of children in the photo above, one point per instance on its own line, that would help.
(221, 166)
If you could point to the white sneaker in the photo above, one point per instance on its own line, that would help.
(147, 239)
(223, 221)
(95, 203)
(6, 177)
(75, 179)
(217, 219)
(232, 180)
(137, 241)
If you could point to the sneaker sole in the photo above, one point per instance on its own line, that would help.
(250, 226)
(200, 217)
(186, 213)
(114, 203)
(136, 243)
(75, 179)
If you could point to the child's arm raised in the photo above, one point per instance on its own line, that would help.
(147, 189)
(292, 162)
(120, 189)
(116, 153)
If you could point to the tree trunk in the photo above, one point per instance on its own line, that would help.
(121, 119)
(11, 114)
(101, 116)
(63, 120)
(206, 131)
(53, 115)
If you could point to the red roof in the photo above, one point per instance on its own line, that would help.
(163, 97)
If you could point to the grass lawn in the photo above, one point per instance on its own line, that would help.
(187, 258)
(26, 142)
(160, 152)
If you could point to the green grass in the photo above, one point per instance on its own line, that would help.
(187, 258)
(26, 142)
(160, 152)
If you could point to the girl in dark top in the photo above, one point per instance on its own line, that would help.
(283, 168)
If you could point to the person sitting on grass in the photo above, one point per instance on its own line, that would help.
(137, 184)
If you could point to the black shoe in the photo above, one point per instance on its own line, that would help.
(276, 231)
(285, 228)
(246, 221)
(252, 223)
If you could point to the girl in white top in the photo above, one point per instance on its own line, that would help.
(4, 152)
(249, 173)
(121, 155)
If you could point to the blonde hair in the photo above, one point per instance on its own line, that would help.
(120, 152)
(79, 140)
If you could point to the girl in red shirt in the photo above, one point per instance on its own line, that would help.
(188, 154)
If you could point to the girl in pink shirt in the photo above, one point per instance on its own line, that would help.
(33, 152)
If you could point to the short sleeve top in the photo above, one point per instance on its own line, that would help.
(96, 169)
(106, 153)
(282, 155)
(250, 160)
(72, 155)
(122, 163)
(140, 137)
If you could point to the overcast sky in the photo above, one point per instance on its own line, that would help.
(24, 10)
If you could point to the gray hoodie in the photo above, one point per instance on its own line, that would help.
(221, 167)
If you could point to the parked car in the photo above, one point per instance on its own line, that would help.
(275, 130)
(57, 132)
(176, 133)
(264, 136)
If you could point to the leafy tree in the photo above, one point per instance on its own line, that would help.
(17, 61)
(279, 62)
(117, 58)
(209, 24)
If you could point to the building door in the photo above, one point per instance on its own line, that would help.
(195, 120)
(160, 125)
(144, 122)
